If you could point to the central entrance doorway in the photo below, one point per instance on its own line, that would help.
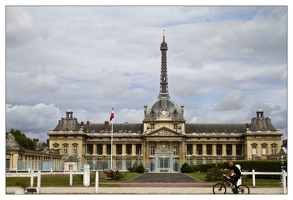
(164, 160)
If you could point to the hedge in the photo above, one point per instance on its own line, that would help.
(249, 165)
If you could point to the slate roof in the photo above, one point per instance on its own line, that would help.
(262, 124)
(222, 128)
(117, 127)
(71, 158)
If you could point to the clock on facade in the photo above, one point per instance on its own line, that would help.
(164, 112)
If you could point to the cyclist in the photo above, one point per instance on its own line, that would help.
(234, 173)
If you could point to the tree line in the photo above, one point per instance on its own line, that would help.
(22, 140)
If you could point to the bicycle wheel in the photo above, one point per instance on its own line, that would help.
(243, 189)
(219, 189)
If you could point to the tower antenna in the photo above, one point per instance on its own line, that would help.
(164, 93)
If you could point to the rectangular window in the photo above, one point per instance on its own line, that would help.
(109, 149)
(138, 148)
(175, 149)
(152, 150)
(128, 149)
(253, 150)
(264, 150)
(75, 149)
(119, 149)
(100, 149)
(65, 150)
(274, 149)
(189, 149)
(199, 149)
(175, 126)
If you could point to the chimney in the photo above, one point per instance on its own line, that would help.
(106, 126)
(87, 126)
(252, 120)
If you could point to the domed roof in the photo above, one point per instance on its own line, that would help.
(154, 109)
(68, 110)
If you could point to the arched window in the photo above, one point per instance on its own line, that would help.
(65, 149)
(263, 149)
(74, 148)
(274, 148)
(254, 152)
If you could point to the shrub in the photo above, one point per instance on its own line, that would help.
(132, 169)
(214, 173)
(115, 175)
(140, 168)
(184, 167)
(248, 165)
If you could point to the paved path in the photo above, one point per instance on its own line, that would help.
(164, 178)
(139, 190)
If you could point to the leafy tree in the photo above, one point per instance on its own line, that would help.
(22, 140)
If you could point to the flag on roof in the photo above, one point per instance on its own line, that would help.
(112, 114)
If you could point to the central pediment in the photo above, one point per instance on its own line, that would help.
(163, 131)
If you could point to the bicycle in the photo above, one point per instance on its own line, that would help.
(220, 188)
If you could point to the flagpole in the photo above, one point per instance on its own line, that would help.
(111, 144)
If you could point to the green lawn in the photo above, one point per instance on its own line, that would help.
(63, 180)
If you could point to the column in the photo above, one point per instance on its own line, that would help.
(147, 150)
(133, 149)
(104, 149)
(114, 149)
(142, 149)
(85, 149)
(183, 147)
(214, 149)
(233, 149)
(204, 149)
(94, 149)
(194, 149)
(11, 162)
(170, 146)
(123, 149)
(223, 149)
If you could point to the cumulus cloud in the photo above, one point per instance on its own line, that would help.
(37, 119)
(233, 101)
(92, 57)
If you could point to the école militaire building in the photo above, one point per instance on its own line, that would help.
(164, 140)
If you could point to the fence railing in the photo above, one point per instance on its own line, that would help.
(32, 174)
(282, 174)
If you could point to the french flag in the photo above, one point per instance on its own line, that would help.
(112, 114)
(165, 79)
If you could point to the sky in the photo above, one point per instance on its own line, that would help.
(223, 62)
